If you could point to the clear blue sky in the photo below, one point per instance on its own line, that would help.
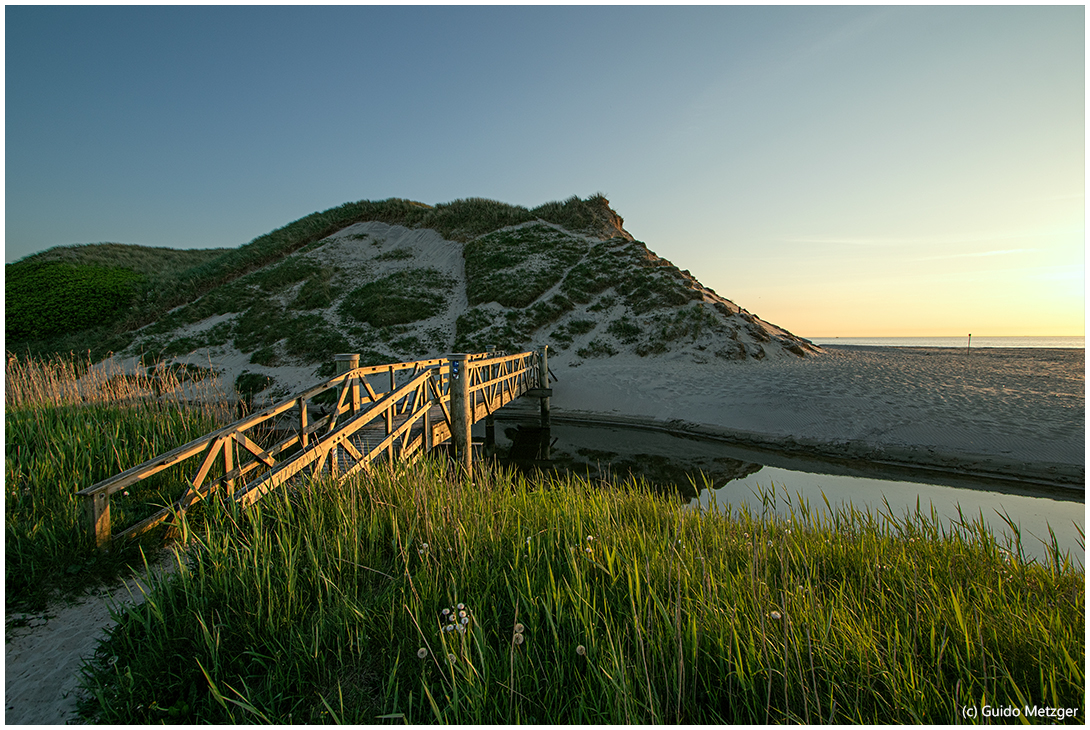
(837, 171)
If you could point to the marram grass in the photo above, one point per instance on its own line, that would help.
(69, 424)
(579, 603)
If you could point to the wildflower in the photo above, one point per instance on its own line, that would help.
(776, 616)
(590, 538)
(519, 628)
(446, 611)
(451, 658)
(125, 493)
(590, 550)
(421, 653)
(465, 620)
(581, 650)
(461, 606)
(518, 639)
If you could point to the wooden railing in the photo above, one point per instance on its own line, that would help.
(380, 413)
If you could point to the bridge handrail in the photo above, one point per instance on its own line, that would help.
(163, 461)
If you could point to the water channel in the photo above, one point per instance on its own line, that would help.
(695, 467)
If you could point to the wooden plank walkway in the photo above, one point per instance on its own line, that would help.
(381, 414)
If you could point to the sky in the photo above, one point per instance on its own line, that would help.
(838, 171)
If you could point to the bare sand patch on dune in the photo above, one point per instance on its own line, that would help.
(1019, 413)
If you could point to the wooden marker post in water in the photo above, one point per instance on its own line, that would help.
(970, 342)
(543, 384)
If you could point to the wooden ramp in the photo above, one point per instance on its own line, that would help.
(365, 415)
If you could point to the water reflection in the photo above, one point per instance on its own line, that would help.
(1032, 515)
(693, 468)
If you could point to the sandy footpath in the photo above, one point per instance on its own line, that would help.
(43, 658)
(1018, 413)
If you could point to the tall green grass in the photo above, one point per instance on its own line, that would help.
(69, 425)
(583, 604)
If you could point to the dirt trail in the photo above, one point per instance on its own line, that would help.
(44, 656)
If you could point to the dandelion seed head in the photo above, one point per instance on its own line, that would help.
(519, 628)
(446, 611)
(421, 653)
(451, 658)
(461, 606)
(776, 615)
(518, 639)
(465, 620)
(581, 650)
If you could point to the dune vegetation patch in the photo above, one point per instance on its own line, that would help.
(403, 297)
(515, 267)
(51, 298)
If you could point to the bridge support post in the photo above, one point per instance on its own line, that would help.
(97, 509)
(346, 363)
(543, 382)
(461, 437)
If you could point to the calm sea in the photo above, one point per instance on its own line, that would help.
(962, 342)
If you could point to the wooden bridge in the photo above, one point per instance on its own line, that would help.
(380, 413)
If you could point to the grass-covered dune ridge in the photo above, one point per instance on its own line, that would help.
(363, 277)
(584, 604)
(177, 277)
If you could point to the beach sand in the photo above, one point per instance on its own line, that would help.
(1014, 413)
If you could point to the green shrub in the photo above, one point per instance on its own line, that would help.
(396, 254)
(276, 278)
(54, 298)
(400, 298)
(259, 326)
(317, 291)
(515, 267)
(311, 337)
(581, 326)
(265, 356)
(249, 384)
(625, 330)
(597, 348)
